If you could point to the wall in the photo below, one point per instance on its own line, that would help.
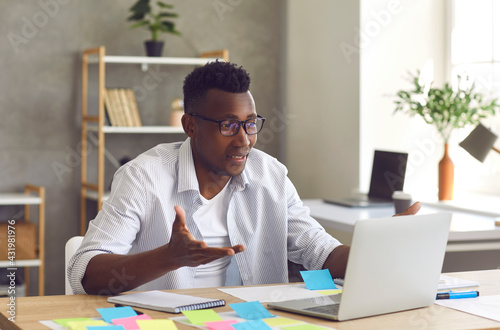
(400, 37)
(40, 69)
(322, 96)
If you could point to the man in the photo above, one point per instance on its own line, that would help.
(207, 212)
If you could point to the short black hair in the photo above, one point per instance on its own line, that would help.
(219, 75)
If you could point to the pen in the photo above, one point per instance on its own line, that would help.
(457, 295)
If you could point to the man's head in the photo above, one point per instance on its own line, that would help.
(217, 101)
(224, 76)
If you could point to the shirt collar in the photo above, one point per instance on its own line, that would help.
(187, 174)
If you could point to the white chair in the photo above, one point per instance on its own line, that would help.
(71, 246)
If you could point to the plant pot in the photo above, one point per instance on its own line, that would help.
(153, 48)
(446, 176)
(175, 118)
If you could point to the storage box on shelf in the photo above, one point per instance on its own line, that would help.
(27, 238)
(95, 191)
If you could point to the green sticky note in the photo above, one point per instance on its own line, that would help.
(306, 326)
(158, 324)
(82, 325)
(279, 321)
(64, 322)
(201, 316)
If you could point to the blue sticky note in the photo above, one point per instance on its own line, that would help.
(112, 313)
(106, 327)
(251, 325)
(252, 310)
(318, 279)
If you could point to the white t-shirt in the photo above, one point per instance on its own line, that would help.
(211, 219)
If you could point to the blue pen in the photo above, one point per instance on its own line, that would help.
(457, 295)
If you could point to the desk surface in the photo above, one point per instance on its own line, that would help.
(465, 226)
(30, 310)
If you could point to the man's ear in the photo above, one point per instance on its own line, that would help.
(189, 125)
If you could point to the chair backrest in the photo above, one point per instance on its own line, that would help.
(71, 246)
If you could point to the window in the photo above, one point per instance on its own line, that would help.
(475, 53)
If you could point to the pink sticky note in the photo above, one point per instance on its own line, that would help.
(130, 323)
(220, 325)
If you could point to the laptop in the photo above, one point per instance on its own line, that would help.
(388, 175)
(394, 265)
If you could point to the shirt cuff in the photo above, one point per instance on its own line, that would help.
(77, 271)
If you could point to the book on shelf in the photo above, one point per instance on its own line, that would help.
(121, 107)
(165, 301)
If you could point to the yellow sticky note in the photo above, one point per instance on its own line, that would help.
(329, 292)
(306, 326)
(279, 321)
(64, 322)
(201, 316)
(82, 325)
(158, 324)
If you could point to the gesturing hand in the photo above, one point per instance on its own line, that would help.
(185, 250)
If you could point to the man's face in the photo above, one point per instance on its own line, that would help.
(214, 153)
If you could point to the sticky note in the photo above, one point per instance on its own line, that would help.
(220, 325)
(106, 327)
(279, 321)
(318, 279)
(82, 325)
(158, 324)
(130, 323)
(112, 313)
(252, 310)
(201, 316)
(64, 322)
(306, 326)
(329, 292)
(251, 325)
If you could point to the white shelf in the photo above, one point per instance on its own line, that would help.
(92, 195)
(139, 129)
(19, 199)
(20, 263)
(154, 60)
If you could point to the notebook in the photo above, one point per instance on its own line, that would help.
(394, 265)
(388, 175)
(165, 301)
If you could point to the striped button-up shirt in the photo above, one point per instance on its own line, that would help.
(265, 215)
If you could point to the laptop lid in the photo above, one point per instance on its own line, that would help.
(388, 174)
(394, 265)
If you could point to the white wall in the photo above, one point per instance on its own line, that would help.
(400, 36)
(321, 96)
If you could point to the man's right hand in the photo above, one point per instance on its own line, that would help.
(184, 250)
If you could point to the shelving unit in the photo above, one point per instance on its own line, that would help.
(33, 195)
(95, 191)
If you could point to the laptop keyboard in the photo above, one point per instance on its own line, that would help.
(332, 309)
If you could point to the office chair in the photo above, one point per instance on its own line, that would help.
(71, 246)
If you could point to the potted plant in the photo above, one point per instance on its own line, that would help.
(446, 108)
(156, 21)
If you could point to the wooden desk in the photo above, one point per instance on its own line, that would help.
(30, 310)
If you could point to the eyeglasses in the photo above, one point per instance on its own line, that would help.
(230, 127)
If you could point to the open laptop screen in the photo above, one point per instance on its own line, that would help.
(388, 174)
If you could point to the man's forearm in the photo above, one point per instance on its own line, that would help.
(336, 262)
(110, 274)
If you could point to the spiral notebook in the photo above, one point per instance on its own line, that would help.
(165, 301)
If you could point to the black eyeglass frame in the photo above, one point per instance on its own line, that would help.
(240, 122)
